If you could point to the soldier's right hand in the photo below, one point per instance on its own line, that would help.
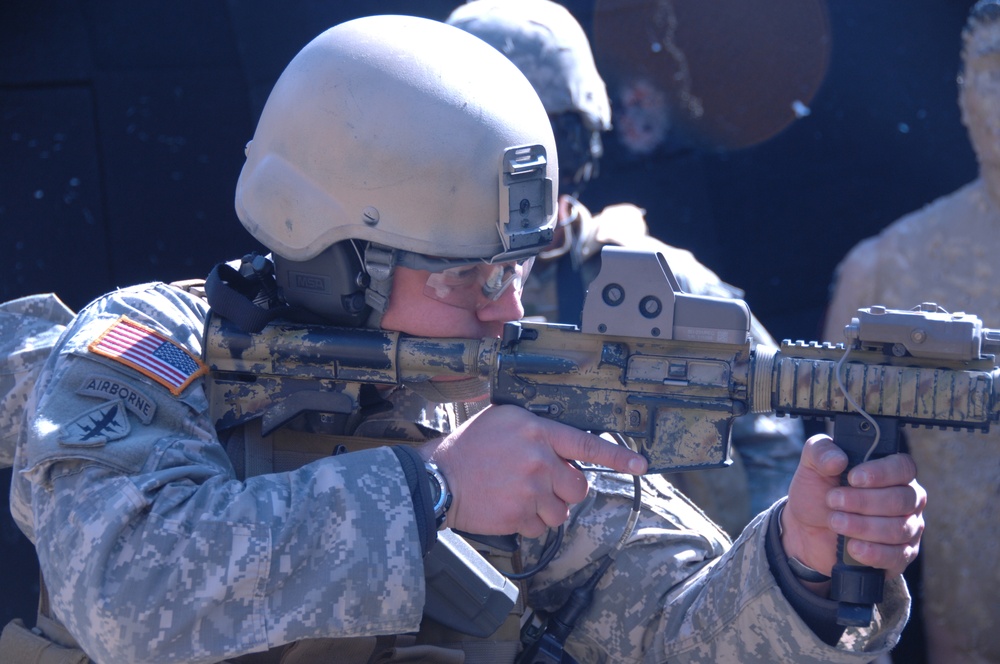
(509, 471)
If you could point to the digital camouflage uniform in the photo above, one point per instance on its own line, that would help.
(766, 448)
(154, 551)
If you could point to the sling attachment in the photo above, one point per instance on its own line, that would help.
(233, 296)
(249, 296)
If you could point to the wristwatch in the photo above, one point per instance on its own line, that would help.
(440, 495)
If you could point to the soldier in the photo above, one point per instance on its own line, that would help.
(375, 177)
(551, 49)
(946, 253)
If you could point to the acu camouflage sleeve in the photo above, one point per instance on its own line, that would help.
(679, 593)
(154, 551)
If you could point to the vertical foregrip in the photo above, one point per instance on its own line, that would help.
(857, 588)
(807, 385)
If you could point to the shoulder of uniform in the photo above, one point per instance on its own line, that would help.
(622, 224)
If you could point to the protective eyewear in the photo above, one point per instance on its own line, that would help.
(474, 285)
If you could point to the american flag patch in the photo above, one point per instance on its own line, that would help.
(149, 352)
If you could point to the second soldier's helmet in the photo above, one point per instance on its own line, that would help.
(388, 137)
(551, 49)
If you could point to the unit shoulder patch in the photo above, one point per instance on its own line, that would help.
(97, 426)
(150, 353)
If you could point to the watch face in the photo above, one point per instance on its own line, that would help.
(440, 496)
(435, 489)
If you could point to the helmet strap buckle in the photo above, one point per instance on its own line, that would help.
(379, 264)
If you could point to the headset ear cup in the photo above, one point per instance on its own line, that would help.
(331, 285)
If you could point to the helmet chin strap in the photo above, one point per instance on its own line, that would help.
(379, 263)
(374, 320)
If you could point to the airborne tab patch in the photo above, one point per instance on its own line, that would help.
(149, 352)
(108, 388)
(97, 426)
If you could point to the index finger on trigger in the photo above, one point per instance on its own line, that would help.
(588, 448)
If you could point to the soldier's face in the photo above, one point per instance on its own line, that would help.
(412, 311)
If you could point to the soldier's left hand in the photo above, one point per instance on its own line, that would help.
(881, 511)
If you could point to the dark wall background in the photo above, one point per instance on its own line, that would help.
(122, 126)
(884, 137)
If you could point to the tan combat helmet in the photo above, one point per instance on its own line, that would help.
(389, 136)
